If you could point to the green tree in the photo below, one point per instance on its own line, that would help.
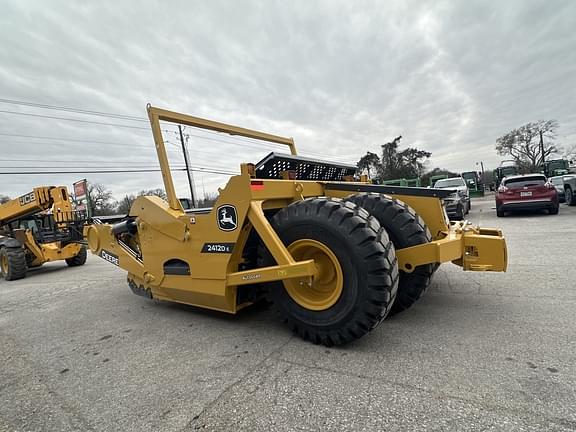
(394, 163)
(369, 163)
(407, 163)
(412, 162)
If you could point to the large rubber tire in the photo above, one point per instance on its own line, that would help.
(79, 259)
(367, 260)
(12, 263)
(570, 197)
(405, 229)
(554, 210)
(499, 212)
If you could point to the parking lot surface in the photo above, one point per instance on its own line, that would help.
(480, 351)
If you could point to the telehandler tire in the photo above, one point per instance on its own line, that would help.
(79, 259)
(405, 228)
(357, 271)
(12, 263)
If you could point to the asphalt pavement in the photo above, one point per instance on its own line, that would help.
(480, 352)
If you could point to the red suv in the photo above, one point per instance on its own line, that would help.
(526, 192)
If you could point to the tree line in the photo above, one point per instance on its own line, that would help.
(528, 146)
(394, 163)
(103, 203)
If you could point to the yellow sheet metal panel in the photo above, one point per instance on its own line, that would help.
(154, 213)
(485, 253)
(57, 252)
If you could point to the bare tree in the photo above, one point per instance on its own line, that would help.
(4, 198)
(208, 200)
(101, 199)
(125, 204)
(570, 153)
(154, 192)
(523, 144)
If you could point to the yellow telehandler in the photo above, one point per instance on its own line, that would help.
(39, 227)
(335, 254)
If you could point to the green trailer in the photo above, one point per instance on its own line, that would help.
(474, 183)
(415, 182)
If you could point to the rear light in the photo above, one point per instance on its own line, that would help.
(257, 185)
(502, 189)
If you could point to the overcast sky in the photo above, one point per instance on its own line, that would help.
(340, 77)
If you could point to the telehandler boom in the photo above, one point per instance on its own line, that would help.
(334, 255)
(39, 227)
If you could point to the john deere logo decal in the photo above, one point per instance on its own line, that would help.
(227, 218)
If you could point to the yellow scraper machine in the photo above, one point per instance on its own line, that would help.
(334, 254)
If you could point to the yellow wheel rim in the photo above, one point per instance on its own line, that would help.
(326, 287)
(4, 264)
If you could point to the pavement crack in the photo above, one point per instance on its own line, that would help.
(236, 382)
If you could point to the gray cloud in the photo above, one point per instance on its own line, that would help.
(340, 77)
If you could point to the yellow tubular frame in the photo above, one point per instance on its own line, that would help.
(157, 114)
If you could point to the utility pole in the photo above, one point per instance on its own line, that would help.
(482, 178)
(188, 171)
(542, 147)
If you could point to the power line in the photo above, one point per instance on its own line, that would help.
(125, 166)
(74, 140)
(149, 166)
(95, 164)
(113, 172)
(74, 120)
(253, 142)
(78, 161)
(75, 110)
(94, 113)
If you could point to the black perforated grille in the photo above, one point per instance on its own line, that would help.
(271, 167)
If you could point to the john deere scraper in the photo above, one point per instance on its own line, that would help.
(335, 253)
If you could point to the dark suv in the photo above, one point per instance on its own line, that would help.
(457, 204)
